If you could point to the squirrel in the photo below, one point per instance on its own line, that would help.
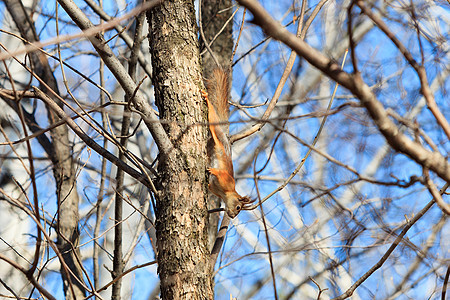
(221, 181)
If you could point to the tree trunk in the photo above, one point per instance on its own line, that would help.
(214, 16)
(181, 212)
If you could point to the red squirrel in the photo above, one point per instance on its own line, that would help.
(221, 181)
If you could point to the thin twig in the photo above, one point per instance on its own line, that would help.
(301, 33)
(30, 278)
(316, 138)
(396, 139)
(73, 69)
(50, 242)
(118, 70)
(90, 142)
(239, 36)
(146, 65)
(435, 193)
(420, 69)
(266, 232)
(32, 174)
(122, 275)
(394, 245)
(318, 286)
(135, 160)
(98, 211)
(84, 34)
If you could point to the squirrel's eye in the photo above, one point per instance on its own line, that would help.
(238, 207)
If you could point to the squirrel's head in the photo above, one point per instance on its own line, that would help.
(235, 203)
(233, 207)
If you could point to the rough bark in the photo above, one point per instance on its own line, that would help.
(60, 153)
(181, 213)
(214, 16)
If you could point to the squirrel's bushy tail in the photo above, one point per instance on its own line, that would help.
(219, 91)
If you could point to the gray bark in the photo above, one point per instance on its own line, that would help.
(181, 212)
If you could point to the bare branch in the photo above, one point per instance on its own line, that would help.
(420, 69)
(146, 65)
(30, 277)
(394, 245)
(301, 33)
(435, 161)
(90, 142)
(119, 72)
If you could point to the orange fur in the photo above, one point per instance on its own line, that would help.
(222, 182)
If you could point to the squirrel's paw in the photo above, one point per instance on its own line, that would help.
(213, 171)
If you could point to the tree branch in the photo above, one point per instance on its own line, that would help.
(120, 73)
(391, 249)
(433, 160)
(29, 276)
(219, 241)
(146, 65)
(301, 33)
(90, 142)
(420, 69)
